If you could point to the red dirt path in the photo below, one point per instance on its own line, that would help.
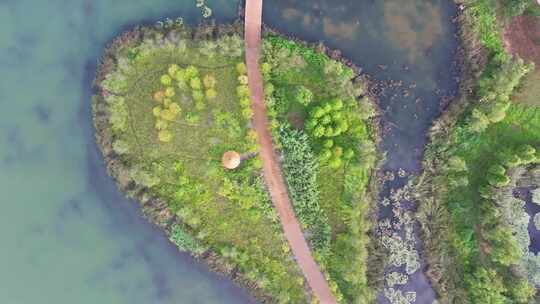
(271, 167)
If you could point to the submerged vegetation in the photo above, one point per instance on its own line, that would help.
(475, 230)
(172, 100)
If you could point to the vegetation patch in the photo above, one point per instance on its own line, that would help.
(174, 112)
(323, 121)
(475, 231)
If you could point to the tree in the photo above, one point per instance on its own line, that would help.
(335, 162)
(337, 104)
(485, 287)
(303, 95)
(165, 80)
(522, 291)
(242, 91)
(241, 68)
(195, 83)
(497, 112)
(498, 180)
(243, 79)
(191, 72)
(497, 170)
(317, 112)
(478, 121)
(505, 249)
(164, 136)
(211, 94)
(120, 147)
(158, 96)
(209, 81)
(169, 92)
(173, 69)
(527, 154)
(175, 108)
(197, 95)
(161, 125)
(349, 154)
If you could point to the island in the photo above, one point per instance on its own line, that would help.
(173, 116)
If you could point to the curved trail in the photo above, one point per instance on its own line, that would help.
(271, 168)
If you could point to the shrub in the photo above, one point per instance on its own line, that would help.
(537, 221)
(210, 94)
(209, 81)
(165, 80)
(303, 96)
(195, 83)
(241, 68)
(300, 167)
(164, 136)
(120, 147)
(184, 241)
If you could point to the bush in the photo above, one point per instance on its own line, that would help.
(303, 95)
(512, 8)
(184, 241)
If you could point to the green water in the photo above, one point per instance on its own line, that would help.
(67, 235)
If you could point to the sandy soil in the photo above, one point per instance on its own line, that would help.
(271, 167)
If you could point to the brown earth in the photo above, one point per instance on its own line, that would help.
(522, 37)
(271, 167)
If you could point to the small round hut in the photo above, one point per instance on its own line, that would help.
(231, 160)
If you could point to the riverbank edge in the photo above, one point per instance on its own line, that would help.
(154, 209)
(472, 59)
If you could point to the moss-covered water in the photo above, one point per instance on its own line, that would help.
(68, 235)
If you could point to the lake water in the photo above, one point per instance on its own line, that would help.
(68, 235)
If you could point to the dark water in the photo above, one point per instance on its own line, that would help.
(407, 46)
(68, 235)
(532, 209)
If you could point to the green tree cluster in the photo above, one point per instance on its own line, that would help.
(327, 124)
(494, 90)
